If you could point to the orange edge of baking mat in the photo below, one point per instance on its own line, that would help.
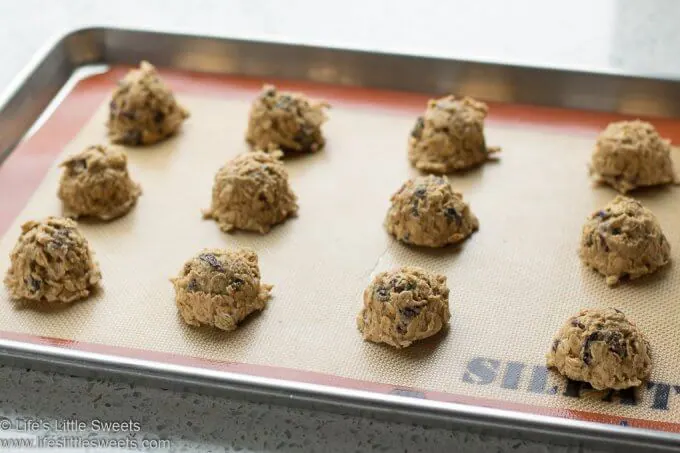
(25, 168)
(312, 377)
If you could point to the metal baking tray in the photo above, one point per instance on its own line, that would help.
(39, 89)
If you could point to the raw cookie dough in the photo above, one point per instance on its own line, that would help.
(52, 262)
(449, 136)
(143, 110)
(220, 288)
(624, 240)
(96, 183)
(631, 154)
(427, 211)
(603, 348)
(404, 305)
(251, 192)
(284, 121)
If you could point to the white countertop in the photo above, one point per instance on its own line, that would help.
(604, 35)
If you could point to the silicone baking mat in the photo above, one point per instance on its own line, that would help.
(512, 284)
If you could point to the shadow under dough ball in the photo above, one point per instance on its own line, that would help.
(143, 109)
(52, 262)
(251, 192)
(220, 288)
(450, 136)
(631, 154)
(603, 348)
(426, 211)
(404, 305)
(285, 121)
(624, 241)
(96, 183)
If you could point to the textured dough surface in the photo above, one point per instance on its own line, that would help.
(52, 262)
(624, 241)
(404, 305)
(143, 109)
(427, 211)
(343, 240)
(631, 154)
(251, 192)
(220, 288)
(96, 183)
(449, 136)
(603, 348)
(286, 121)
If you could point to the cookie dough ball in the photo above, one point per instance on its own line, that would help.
(449, 136)
(143, 110)
(252, 193)
(96, 183)
(427, 211)
(603, 348)
(624, 241)
(220, 288)
(52, 262)
(286, 121)
(404, 305)
(631, 154)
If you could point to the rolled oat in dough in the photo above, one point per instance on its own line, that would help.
(96, 183)
(631, 154)
(404, 305)
(251, 192)
(52, 262)
(284, 121)
(220, 288)
(603, 348)
(143, 109)
(624, 241)
(450, 136)
(427, 211)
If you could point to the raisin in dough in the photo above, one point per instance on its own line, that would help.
(603, 348)
(52, 262)
(427, 211)
(631, 154)
(624, 240)
(220, 288)
(251, 192)
(96, 183)
(143, 110)
(284, 121)
(449, 136)
(404, 305)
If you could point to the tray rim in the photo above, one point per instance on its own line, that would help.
(392, 407)
(338, 399)
(667, 84)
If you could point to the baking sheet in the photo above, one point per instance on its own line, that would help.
(512, 284)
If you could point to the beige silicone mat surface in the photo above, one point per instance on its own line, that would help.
(512, 284)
